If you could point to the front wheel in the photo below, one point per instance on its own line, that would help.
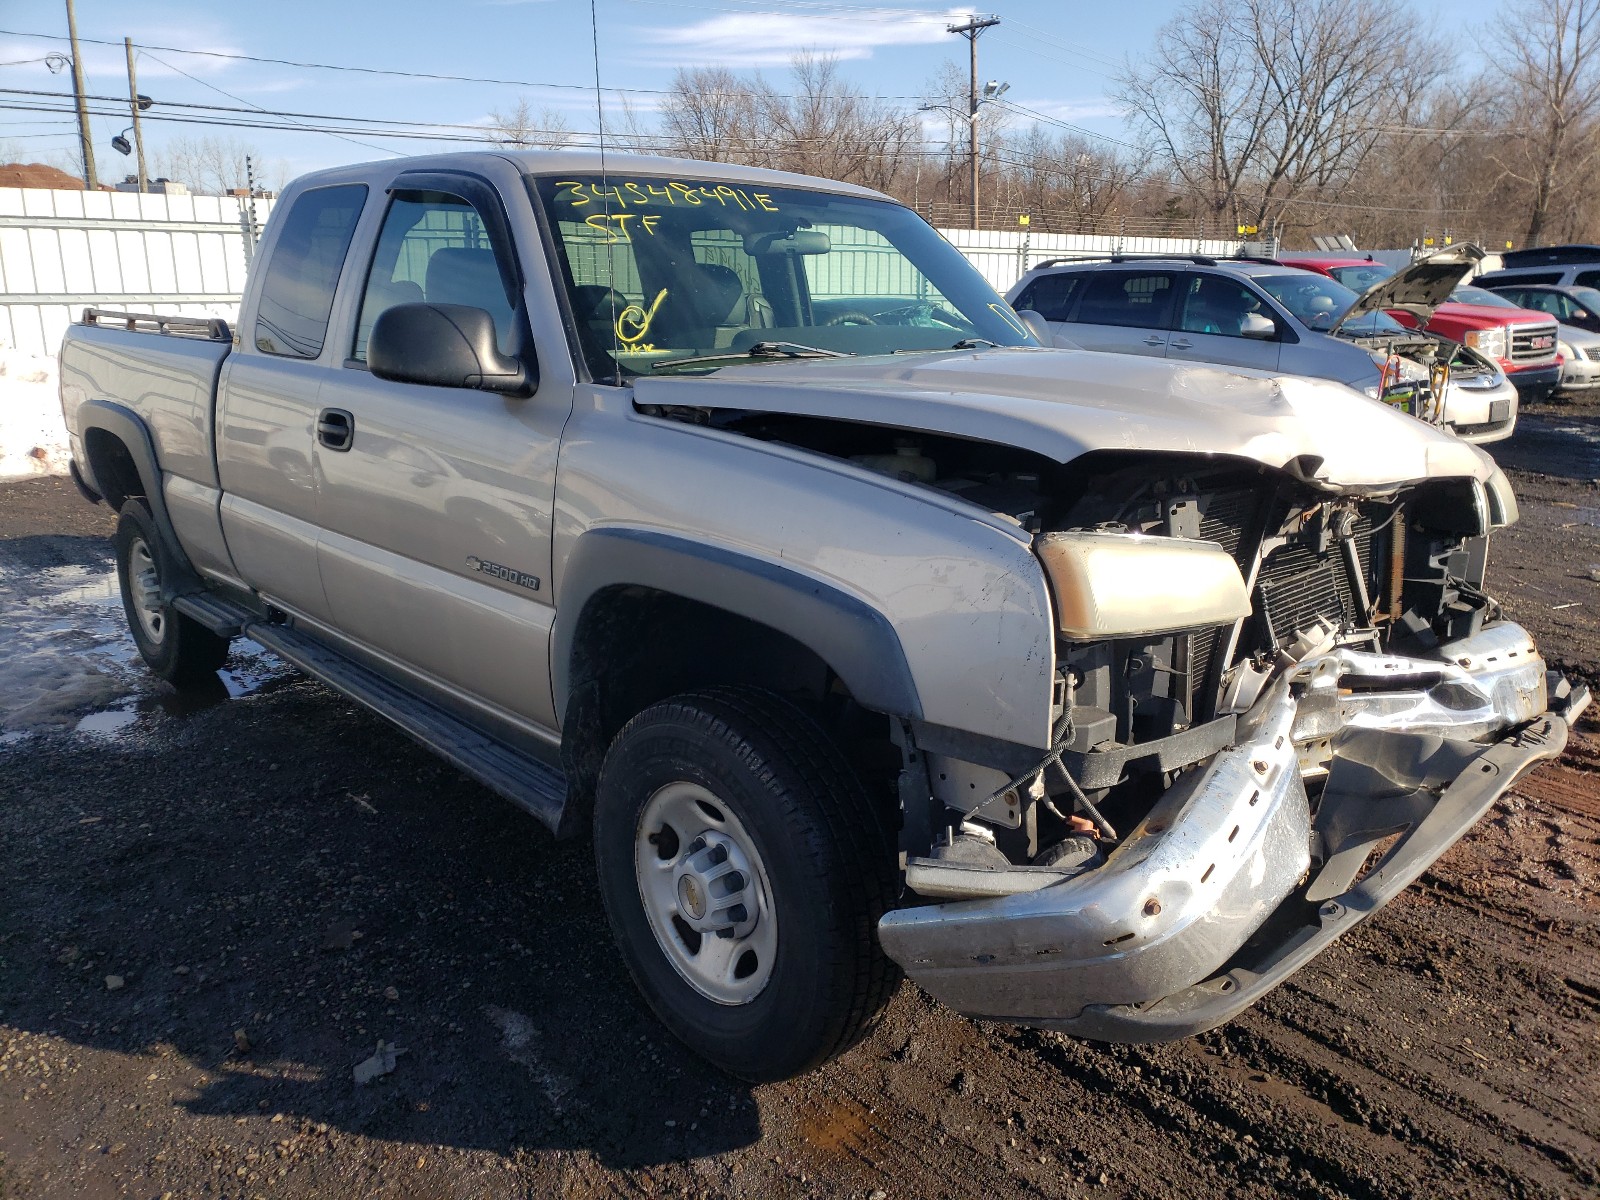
(175, 647)
(744, 871)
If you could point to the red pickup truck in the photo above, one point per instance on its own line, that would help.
(1523, 342)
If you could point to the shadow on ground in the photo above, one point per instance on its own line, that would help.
(288, 867)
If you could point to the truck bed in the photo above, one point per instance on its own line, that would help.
(164, 369)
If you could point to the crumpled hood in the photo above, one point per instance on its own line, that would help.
(1067, 403)
(1418, 289)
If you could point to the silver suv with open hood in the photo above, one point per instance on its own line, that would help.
(731, 519)
(1274, 316)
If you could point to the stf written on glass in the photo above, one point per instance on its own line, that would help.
(661, 269)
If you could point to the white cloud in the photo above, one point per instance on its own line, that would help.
(1073, 110)
(761, 39)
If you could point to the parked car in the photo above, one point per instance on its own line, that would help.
(1579, 348)
(1567, 266)
(1523, 342)
(864, 637)
(1580, 361)
(1573, 306)
(1262, 314)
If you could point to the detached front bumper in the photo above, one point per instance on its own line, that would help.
(1231, 883)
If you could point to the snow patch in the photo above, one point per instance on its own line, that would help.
(33, 438)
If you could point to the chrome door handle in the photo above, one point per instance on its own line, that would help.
(1155, 341)
(1184, 344)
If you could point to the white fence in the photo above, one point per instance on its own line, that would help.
(61, 252)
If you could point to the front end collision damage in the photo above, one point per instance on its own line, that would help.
(1234, 879)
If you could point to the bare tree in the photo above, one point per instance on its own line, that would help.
(545, 129)
(1070, 184)
(823, 125)
(1254, 103)
(209, 165)
(1550, 97)
(710, 113)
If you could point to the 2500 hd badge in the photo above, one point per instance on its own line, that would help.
(510, 574)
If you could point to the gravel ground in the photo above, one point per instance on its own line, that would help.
(211, 912)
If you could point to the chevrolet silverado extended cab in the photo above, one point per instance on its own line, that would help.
(731, 516)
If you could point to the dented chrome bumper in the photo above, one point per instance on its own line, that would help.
(1172, 935)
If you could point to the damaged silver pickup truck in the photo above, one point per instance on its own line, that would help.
(731, 515)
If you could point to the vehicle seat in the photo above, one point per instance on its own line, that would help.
(462, 275)
(1206, 315)
(597, 306)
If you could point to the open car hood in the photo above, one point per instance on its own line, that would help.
(1418, 289)
(1064, 404)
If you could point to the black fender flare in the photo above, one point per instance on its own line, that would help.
(129, 428)
(856, 640)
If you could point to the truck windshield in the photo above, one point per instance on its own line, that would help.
(1483, 296)
(1320, 302)
(664, 269)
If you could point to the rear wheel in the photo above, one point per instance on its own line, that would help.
(744, 871)
(175, 647)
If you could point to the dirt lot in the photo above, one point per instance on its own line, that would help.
(209, 913)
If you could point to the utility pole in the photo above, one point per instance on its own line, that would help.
(84, 141)
(133, 106)
(970, 31)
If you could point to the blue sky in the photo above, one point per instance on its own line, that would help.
(1057, 57)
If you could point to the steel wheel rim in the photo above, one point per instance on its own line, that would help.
(144, 585)
(705, 893)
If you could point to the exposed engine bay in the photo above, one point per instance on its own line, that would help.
(1398, 572)
(1416, 369)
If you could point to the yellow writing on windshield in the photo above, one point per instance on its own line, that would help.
(611, 224)
(633, 322)
(668, 193)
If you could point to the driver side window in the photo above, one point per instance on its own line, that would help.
(1217, 306)
(434, 248)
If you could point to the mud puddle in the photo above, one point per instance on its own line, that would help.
(70, 663)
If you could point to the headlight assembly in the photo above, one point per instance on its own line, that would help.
(1490, 342)
(1125, 584)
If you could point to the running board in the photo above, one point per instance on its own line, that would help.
(217, 613)
(520, 778)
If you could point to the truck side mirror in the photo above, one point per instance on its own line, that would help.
(446, 345)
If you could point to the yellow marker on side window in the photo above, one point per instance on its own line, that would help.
(635, 318)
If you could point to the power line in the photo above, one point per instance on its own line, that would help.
(1055, 41)
(219, 116)
(1078, 129)
(395, 72)
(316, 66)
(257, 107)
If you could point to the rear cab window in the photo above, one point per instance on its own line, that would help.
(303, 270)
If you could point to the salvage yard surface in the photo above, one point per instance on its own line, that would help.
(212, 913)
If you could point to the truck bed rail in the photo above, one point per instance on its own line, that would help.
(213, 329)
